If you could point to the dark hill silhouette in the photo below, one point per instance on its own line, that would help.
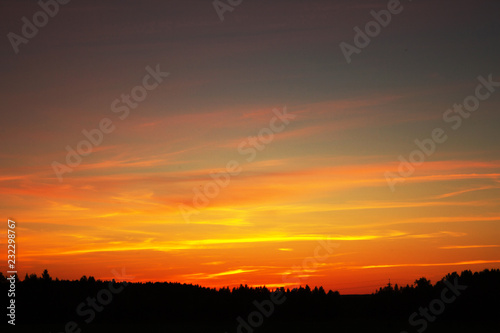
(471, 302)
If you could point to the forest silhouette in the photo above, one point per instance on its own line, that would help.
(44, 304)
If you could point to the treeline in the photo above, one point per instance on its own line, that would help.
(471, 297)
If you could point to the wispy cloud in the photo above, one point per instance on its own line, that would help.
(451, 194)
(232, 272)
(460, 263)
(452, 247)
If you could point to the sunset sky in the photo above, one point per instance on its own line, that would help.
(319, 179)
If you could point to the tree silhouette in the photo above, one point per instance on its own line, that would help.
(423, 283)
(182, 304)
(45, 276)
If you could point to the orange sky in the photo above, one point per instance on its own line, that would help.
(320, 180)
